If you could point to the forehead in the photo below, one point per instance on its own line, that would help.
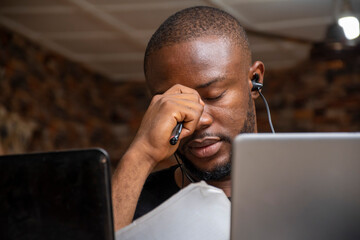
(194, 63)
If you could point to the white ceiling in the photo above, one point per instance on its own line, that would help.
(110, 36)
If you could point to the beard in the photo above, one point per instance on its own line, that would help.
(223, 170)
(216, 174)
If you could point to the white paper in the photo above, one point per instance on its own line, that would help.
(197, 212)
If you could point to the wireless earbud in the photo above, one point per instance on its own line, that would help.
(256, 85)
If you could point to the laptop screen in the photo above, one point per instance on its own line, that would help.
(56, 195)
(296, 186)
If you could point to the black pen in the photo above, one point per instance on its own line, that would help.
(176, 134)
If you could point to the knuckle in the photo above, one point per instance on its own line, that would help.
(155, 98)
(166, 103)
(164, 100)
(175, 88)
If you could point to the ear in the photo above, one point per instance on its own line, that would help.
(259, 68)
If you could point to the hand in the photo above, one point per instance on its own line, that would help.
(178, 104)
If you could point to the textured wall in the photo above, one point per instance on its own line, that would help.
(48, 102)
(315, 96)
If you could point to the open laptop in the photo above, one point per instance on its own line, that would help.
(296, 186)
(56, 195)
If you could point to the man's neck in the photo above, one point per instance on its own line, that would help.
(225, 184)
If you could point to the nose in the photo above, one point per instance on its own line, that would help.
(205, 120)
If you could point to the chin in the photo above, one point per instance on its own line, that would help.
(209, 169)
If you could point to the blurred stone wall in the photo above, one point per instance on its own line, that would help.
(315, 96)
(48, 102)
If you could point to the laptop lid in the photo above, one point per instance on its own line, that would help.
(296, 186)
(56, 195)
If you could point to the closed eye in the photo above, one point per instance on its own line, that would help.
(215, 98)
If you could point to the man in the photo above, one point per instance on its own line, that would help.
(198, 68)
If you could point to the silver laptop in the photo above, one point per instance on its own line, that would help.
(296, 186)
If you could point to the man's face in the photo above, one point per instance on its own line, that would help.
(218, 70)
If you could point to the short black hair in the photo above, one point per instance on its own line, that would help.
(195, 22)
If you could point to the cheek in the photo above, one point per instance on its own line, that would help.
(233, 110)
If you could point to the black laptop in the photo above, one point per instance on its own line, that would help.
(56, 195)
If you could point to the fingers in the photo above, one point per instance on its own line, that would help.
(178, 104)
(183, 104)
(186, 109)
(179, 89)
(189, 113)
(184, 92)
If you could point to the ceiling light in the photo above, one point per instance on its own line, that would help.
(348, 21)
(350, 25)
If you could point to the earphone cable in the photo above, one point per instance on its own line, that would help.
(182, 171)
(268, 111)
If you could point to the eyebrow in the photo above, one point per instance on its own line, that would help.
(204, 85)
(213, 81)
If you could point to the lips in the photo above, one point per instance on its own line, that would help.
(204, 148)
